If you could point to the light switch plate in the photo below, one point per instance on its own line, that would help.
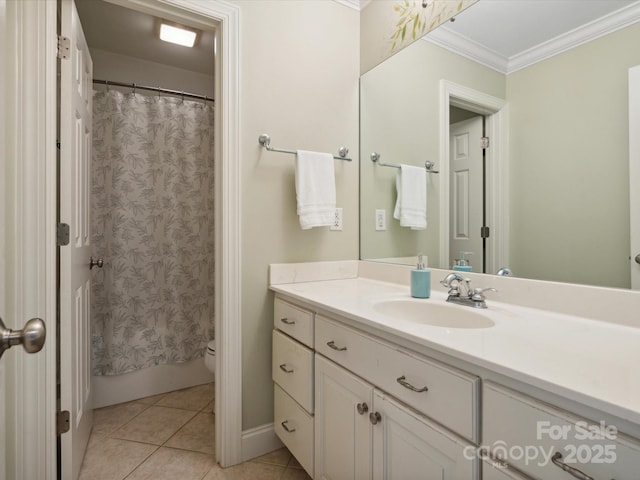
(381, 219)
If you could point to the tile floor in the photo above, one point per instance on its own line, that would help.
(170, 436)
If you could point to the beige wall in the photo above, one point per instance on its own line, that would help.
(400, 105)
(569, 163)
(299, 84)
(122, 68)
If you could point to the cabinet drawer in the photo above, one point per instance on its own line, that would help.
(451, 397)
(292, 369)
(294, 321)
(513, 421)
(294, 427)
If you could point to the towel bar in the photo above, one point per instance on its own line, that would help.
(265, 141)
(428, 166)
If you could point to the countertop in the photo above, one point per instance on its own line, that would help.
(588, 361)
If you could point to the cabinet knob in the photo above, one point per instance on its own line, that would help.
(374, 417)
(362, 408)
(286, 321)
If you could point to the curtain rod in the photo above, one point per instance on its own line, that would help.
(135, 86)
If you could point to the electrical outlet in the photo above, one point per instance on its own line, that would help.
(337, 221)
(381, 219)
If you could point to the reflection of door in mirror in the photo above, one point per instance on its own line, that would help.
(466, 189)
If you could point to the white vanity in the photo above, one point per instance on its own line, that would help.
(370, 383)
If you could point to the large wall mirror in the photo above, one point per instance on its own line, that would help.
(547, 83)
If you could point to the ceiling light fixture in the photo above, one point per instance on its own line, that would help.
(180, 36)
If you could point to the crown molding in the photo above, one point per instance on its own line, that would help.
(608, 24)
(467, 48)
(355, 4)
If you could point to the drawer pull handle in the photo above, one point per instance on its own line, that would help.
(402, 381)
(284, 425)
(374, 417)
(557, 460)
(362, 408)
(333, 345)
(284, 368)
(286, 321)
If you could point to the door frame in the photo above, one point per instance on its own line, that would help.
(496, 112)
(634, 174)
(30, 236)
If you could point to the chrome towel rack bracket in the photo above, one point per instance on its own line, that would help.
(265, 141)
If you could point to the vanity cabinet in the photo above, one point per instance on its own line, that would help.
(538, 439)
(407, 445)
(496, 470)
(292, 371)
(363, 433)
(350, 406)
(343, 431)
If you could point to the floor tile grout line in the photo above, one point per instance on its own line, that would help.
(140, 463)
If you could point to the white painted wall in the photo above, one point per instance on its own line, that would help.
(122, 68)
(299, 70)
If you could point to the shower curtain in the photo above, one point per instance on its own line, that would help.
(152, 207)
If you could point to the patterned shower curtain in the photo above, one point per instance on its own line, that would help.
(152, 207)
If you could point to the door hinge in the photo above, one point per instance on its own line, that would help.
(484, 142)
(484, 232)
(62, 422)
(63, 234)
(64, 47)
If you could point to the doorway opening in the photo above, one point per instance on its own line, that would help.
(494, 201)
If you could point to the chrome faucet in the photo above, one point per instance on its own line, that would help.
(471, 298)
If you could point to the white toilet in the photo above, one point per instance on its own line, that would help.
(210, 357)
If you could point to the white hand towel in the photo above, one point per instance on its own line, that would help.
(411, 204)
(315, 189)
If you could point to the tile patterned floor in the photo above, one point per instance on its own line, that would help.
(170, 436)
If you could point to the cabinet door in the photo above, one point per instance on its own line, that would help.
(407, 446)
(342, 427)
(496, 470)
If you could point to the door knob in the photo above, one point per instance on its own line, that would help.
(95, 263)
(31, 337)
(638, 258)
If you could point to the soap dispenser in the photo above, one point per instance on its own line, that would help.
(462, 264)
(420, 280)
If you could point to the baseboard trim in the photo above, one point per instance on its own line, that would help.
(113, 389)
(259, 441)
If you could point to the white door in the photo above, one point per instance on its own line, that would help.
(634, 173)
(467, 187)
(342, 426)
(75, 281)
(406, 446)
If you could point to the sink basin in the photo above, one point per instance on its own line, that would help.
(426, 312)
